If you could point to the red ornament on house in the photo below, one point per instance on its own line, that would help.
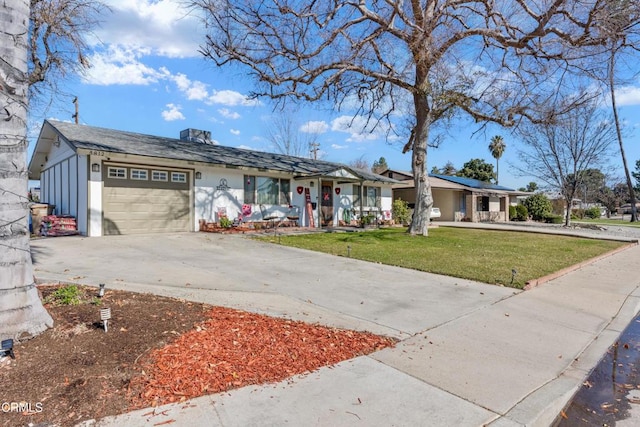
(300, 189)
(337, 190)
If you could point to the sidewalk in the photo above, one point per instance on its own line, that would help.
(470, 355)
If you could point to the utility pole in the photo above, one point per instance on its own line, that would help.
(76, 115)
(314, 147)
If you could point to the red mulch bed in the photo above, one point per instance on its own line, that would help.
(158, 350)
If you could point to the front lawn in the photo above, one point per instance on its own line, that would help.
(481, 255)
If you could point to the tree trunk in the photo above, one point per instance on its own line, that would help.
(21, 312)
(567, 216)
(632, 194)
(424, 199)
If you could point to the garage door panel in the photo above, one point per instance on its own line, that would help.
(134, 210)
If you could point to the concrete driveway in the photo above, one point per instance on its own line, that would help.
(471, 354)
(268, 278)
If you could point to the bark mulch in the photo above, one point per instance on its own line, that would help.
(157, 350)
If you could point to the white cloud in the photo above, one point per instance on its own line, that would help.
(316, 127)
(231, 98)
(120, 67)
(235, 131)
(245, 147)
(339, 147)
(628, 95)
(357, 127)
(172, 113)
(228, 114)
(193, 90)
(165, 27)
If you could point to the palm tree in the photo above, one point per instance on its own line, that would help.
(497, 147)
(21, 312)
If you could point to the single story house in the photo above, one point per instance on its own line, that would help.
(118, 182)
(460, 199)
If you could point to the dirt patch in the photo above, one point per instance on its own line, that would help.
(157, 350)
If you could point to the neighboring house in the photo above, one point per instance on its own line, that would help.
(460, 199)
(117, 182)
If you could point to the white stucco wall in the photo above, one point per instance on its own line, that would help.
(82, 194)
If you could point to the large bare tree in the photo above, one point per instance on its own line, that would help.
(407, 65)
(563, 154)
(37, 38)
(285, 135)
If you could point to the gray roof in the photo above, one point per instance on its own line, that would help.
(473, 183)
(116, 141)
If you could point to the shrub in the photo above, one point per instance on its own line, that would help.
(553, 219)
(512, 213)
(593, 213)
(577, 213)
(401, 212)
(67, 295)
(522, 214)
(538, 206)
(225, 222)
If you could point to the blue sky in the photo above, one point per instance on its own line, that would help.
(148, 77)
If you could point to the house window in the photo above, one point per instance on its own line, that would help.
(139, 174)
(371, 196)
(249, 189)
(178, 177)
(266, 190)
(159, 176)
(482, 204)
(119, 173)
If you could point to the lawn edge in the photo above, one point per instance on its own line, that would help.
(544, 279)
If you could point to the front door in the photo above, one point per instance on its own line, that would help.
(326, 203)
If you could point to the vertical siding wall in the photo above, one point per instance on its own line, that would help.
(63, 183)
(59, 186)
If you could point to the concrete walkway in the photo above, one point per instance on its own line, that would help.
(471, 354)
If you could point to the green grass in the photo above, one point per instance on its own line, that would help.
(481, 255)
(67, 295)
(606, 221)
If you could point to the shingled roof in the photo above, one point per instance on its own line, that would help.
(82, 137)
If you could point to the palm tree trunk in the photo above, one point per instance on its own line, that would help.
(21, 312)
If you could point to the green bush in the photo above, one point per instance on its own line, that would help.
(67, 295)
(553, 219)
(593, 213)
(577, 213)
(522, 214)
(538, 206)
(225, 222)
(512, 213)
(400, 211)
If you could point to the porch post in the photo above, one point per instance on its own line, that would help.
(319, 202)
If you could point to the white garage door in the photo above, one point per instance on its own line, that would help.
(141, 199)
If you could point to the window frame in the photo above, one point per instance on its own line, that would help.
(274, 191)
(377, 196)
(117, 169)
(144, 172)
(183, 180)
(159, 172)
